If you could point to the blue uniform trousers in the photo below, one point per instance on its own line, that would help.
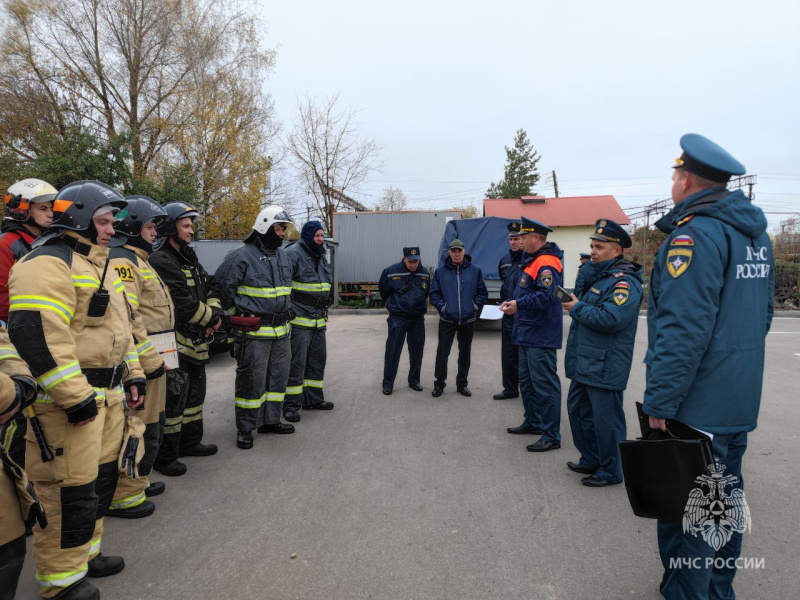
(400, 329)
(541, 391)
(509, 358)
(703, 583)
(598, 426)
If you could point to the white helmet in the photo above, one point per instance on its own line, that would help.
(269, 217)
(24, 193)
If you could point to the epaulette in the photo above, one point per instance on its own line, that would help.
(55, 247)
(123, 252)
(685, 220)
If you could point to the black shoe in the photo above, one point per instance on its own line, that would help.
(504, 396)
(145, 509)
(244, 440)
(173, 468)
(464, 391)
(595, 481)
(543, 446)
(415, 386)
(292, 416)
(387, 391)
(523, 430)
(320, 406)
(276, 428)
(578, 468)
(156, 488)
(437, 391)
(199, 450)
(83, 590)
(105, 566)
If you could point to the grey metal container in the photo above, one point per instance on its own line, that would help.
(371, 241)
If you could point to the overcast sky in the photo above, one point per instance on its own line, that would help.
(604, 89)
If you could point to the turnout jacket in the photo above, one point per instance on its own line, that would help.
(194, 296)
(311, 287)
(257, 281)
(539, 319)
(405, 292)
(603, 329)
(458, 292)
(12, 368)
(509, 267)
(709, 310)
(15, 242)
(150, 302)
(51, 290)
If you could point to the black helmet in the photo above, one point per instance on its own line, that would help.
(140, 210)
(175, 212)
(76, 202)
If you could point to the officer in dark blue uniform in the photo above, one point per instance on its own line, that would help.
(599, 354)
(509, 268)
(579, 277)
(404, 287)
(538, 323)
(709, 310)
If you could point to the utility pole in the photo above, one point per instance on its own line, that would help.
(657, 207)
(555, 182)
(744, 180)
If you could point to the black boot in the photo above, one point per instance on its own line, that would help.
(292, 416)
(244, 440)
(105, 566)
(155, 488)
(276, 428)
(83, 590)
(173, 468)
(145, 509)
(199, 450)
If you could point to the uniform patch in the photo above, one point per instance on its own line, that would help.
(546, 277)
(622, 284)
(678, 260)
(125, 273)
(523, 280)
(620, 296)
(424, 285)
(618, 274)
(682, 240)
(396, 278)
(594, 291)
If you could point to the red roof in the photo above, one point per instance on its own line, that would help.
(572, 211)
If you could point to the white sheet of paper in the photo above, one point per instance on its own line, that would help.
(167, 347)
(491, 312)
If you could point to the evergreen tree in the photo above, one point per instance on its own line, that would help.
(521, 173)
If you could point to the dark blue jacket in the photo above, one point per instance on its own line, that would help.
(509, 267)
(708, 313)
(458, 291)
(579, 280)
(405, 292)
(539, 322)
(601, 336)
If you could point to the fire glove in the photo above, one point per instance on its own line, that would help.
(132, 447)
(141, 387)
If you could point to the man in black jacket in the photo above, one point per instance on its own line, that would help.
(197, 316)
(509, 269)
(404, 287)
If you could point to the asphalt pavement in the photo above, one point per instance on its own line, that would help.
(413, 497)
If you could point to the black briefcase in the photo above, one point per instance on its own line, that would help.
(660, 469)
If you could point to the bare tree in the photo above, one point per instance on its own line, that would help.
(332, 161)
(393, 199)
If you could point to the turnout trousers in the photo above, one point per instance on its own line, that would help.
(183, 427)
(75, 488)
(714, 581)
(12, 437)
(262, 369)
(400, 329)
(448, 331)
(541, 391)
(509, 358)
(12, 553)
(309, 355)
(598, 426)
(130, 492)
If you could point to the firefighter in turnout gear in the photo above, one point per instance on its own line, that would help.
(70, 321)
(29, 211)
(311, 296)
(154, 318)
(197, 316)
(17, 391)
(255, 287)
